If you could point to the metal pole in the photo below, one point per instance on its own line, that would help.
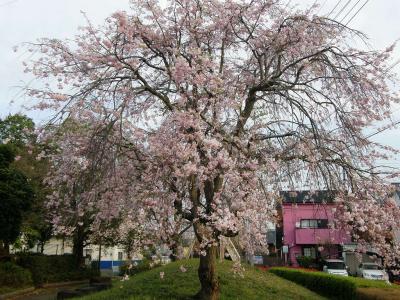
(99, 254)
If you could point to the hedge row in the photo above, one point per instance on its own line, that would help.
(12, 275)
(332, 286)
(53, 268)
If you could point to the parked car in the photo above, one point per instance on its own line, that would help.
(372, 271)
(257, 260)
(335, 267)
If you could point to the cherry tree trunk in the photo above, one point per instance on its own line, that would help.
(208, 275)
(99, 261)
(77, 248)
(42, 247)
(174, 252)
(175, 248)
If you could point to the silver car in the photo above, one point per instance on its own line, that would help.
(372, 271)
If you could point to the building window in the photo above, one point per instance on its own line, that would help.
(271, 237)
(119, 255)
(314, 223)
(309, 252)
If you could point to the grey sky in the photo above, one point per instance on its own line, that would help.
(26, 20)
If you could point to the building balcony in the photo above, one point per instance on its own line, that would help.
(311, 236)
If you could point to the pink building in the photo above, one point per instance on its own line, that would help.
(308, 227)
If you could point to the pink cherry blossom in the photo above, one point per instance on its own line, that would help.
(183, 269)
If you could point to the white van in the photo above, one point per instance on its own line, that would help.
(335, 267)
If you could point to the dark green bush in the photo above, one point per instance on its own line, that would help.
(125, 269)
(53, 268)
(305, 261)
(332, 286)
(12, 275)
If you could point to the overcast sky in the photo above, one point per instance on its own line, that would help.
(26, 20)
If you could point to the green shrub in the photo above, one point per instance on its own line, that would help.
(12, 275)
(332, 286)
(125, 269)
(53, 268)
(305, 261)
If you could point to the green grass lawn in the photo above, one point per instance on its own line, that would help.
(376, 289)
(255, 284)
(368, 283)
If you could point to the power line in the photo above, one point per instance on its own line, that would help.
(333, 8)
(392, 66)
(383, 129)
(343, 8)
(350, 10)
(357, 12)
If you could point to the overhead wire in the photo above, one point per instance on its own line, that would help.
(392, 66)
(382, 130)
(348, 22)
(333, 9)
(350, 10)
(343, 8)
(357, 12)
(388, 127)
